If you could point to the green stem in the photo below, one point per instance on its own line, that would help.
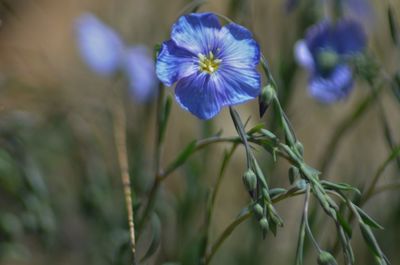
(225, 234)
(157, 161)
(344, 126)
(305, 216)
(383, 188)
(210, 211)
(370, 191)
(231, 227)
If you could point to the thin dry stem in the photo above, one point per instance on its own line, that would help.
(120, 143)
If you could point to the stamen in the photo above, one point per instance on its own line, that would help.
(208, 64)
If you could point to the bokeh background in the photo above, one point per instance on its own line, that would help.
(61, 199)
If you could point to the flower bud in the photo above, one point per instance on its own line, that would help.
(325, 258)
(264, 224)
(258, 210)
(299, 147)
(250, 181)
(265, 99)
(293, 174)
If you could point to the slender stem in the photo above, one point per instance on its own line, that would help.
(157, 160)
(383, 188)
(372, 190)
(225, 234)
(378, 174)
(344, 126)
(200, 144)
(305, 216)
(210, 211)
(120, 143)
(231, 227)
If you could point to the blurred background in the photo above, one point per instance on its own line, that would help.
(61, 199)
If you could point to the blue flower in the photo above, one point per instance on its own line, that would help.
(325, 53)
(106, 54)
(99, 45)
(212, 66)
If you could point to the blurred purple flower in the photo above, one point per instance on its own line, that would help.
(106, 54)
(99, 45)
(325, 52)
(213, 66)
(140, 69)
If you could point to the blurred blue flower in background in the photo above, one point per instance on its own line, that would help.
(213, 66)
(325, 53)
(105, 53)
(140, 68)
(100, 46)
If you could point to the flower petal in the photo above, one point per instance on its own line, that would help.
(198, 94)
(174, 63)
(237, 48)
(319, 36)
(99, 45)
(204, 94)
(238, 85)
(350, 37)
(333, 88)
(196, 32)
(140, 69)
(303, 55)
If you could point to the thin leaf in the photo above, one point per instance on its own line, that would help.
(183, 156)
(164, 118)
(394, 29)
(367, 219)
(370, 240)
(344, 224)
(339, 186)
(156, 237)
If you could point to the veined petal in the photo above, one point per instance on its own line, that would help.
(204, 95)
(198, 94)
(350, 37)
(303, 55)
(239, 85)
(333, 88)
(237, 48)
(174, 63)
(196, 32)
(99, 45)
(140, 69)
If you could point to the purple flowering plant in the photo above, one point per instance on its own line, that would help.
(213, 66)
(325, 52)
(212, 63)
(104, 51)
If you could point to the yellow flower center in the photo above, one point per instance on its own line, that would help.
(208, 64)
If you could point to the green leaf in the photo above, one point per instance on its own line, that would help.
(276, 192)
(183, 156)
(396, 86)
(256, 128)
(156, 237)
(370, 240)
(164, 118)
(300, 243)
(367, 219)
(345, 225)
(394, 29)
(339, 186)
